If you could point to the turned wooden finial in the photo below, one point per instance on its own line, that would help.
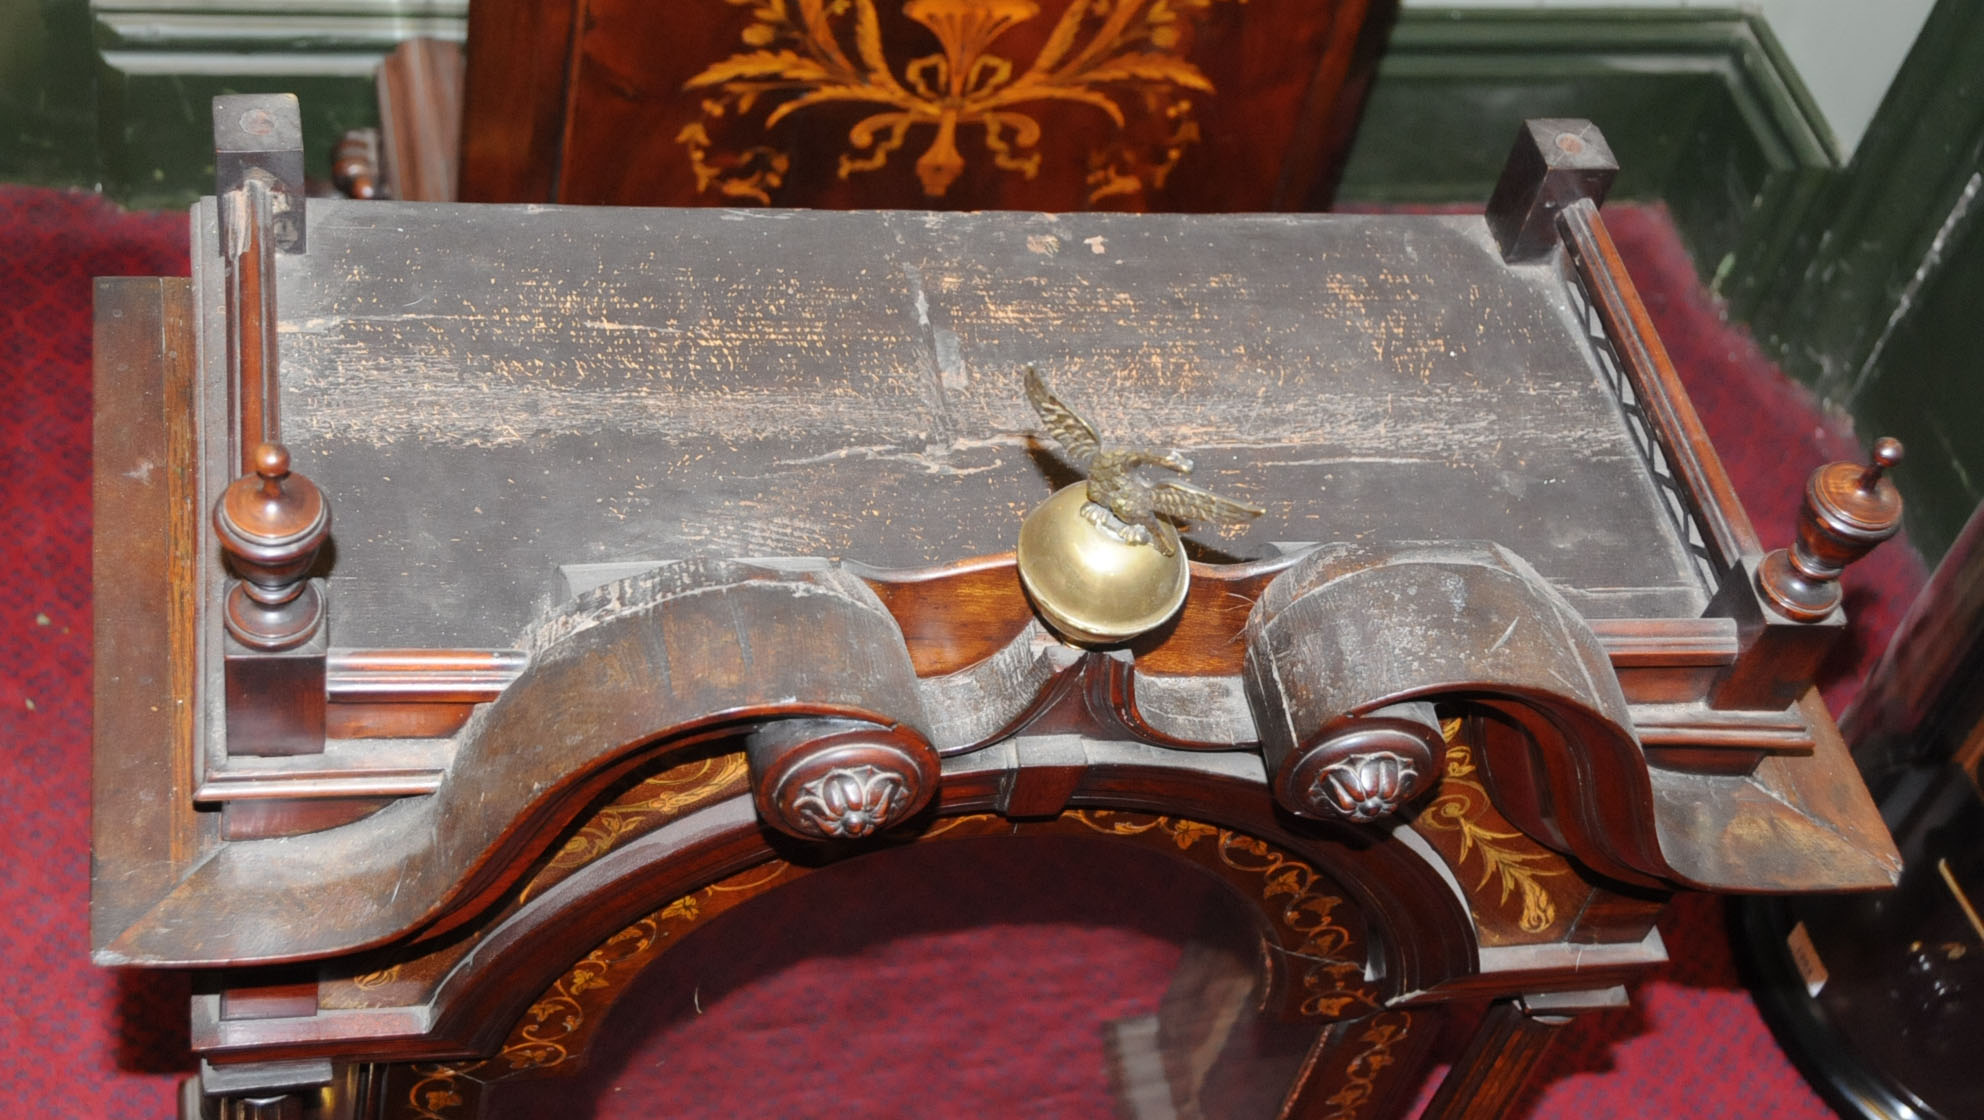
(272, 524)
(1849, 508)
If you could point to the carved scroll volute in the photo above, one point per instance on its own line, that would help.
(1347, 647)
(839, 779)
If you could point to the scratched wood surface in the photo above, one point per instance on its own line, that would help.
(488, 393)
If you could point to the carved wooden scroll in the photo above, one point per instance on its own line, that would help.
(1341, 642)
(639, 667)
(1427, 772)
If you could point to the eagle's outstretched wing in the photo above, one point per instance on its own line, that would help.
(1189, 503)
(1068, 429)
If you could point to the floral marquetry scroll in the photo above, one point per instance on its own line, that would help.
(1124, 59)
(559, 1024)
(1057, 105)
(1512, 881)
(1311, 928)
(1301, 901)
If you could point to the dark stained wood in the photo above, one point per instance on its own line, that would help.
(1202, 106)
(420, 120)
(1553, 164)
(1317, 918)
(1771, 836)
(1613, 914)
(411, 693)
(278, 1000)
(1365, 1067)
(261, 818)
(973, 618)
(247, 216)
(839, 779)
(424, 676)
(1668, 660)
(514, 107)
(258, 144)
(1486, 1078)
(355, 164)
(700, 422)
(1711, 496)
(145, 547)
(389, 720)
(348, 768)
(1849, 509)
(1333, 105)
(275, 700)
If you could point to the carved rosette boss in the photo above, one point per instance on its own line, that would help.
(1364, 768)
(839, 779)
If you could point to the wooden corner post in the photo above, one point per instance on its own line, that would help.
(1555, 162)
(271, 521)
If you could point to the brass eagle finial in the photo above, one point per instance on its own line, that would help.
(1115, 492)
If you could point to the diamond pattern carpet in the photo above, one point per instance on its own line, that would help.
(975, 1021)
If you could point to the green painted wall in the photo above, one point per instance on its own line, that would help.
(115, 93)
(1927, 388)
(1877, 300)
(48, 107)
(1699, 105)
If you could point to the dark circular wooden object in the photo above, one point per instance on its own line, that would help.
(272, 524)
(1848, 510)
(839, 779)
(1363, 769)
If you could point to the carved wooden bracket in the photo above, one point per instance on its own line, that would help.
(1345, 649)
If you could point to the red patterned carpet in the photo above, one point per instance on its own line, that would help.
(974, 1021)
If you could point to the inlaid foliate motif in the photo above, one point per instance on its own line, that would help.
(1125, 60)
(1464, 823)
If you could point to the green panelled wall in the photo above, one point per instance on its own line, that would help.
(47, 93)
(1699, 105)
(1927, 388)
(1879, 300)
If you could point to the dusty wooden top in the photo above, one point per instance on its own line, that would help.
(487, 394)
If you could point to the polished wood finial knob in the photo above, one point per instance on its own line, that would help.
(272, 524)
(1849, 508)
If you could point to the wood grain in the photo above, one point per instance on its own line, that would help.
(146, 615)
(588, 385)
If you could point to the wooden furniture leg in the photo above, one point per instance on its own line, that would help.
(1363, 1067)
(1511, 1039)
(1497, 1063)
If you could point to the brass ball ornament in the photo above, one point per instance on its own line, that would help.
(1100, 559)
(1090, 582)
